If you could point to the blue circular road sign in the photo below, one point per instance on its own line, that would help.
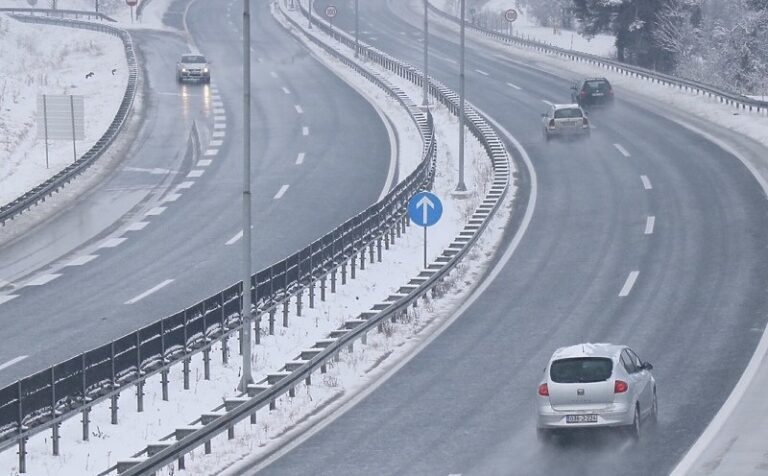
(425, 209)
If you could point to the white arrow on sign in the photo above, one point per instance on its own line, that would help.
(425, 204)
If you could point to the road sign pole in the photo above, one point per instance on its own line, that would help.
(45, 127)
(461, 187)
(247, 377)
(357, 28)
(425, 101)
(425, 247)
(72, 115)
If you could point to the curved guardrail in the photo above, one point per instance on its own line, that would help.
(737, 100)
(265, 394)
(58, 181)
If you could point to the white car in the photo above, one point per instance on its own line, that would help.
(193, 67)
(565, 120)
(595, 385)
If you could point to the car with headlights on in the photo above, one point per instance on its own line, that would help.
(193, 67)
(565, 120)
(595, 386)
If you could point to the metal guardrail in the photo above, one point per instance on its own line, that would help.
(737, 100)
(309, 361)
(43, 400)
(60, 14)
(58, 181)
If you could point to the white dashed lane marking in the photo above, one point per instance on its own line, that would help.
(155, 211)
(479, 71)
(42, 279)
(622, 150)
(184, 185)
(514, 86)
(305, 131)
(149, 292)
(211, 152)
(281, 192)
(286, 90)
(171, 197)
(300, 158)
(218, 134)
(137, 226)
(628, 284)
(216, 143)
(650, 222)
(273, 74)
(219, 125)
(646, 182)
(299, 109)
(81, 260)
(204, 162)
(548, 103)
(195, 173)
(111, 243)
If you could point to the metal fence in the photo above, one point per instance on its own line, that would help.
(176, 445)
(733, 99)
(58, 181)
(43, 400)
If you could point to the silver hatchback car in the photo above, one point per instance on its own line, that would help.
(595, 385)
(565, 120)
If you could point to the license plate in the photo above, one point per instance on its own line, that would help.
(598, 94)
(581, 419)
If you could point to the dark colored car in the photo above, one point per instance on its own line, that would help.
(592, 92)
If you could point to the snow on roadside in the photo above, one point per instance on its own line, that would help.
(36, 60)
(110, 443)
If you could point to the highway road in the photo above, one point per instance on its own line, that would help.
(646, 234)
(164, 230)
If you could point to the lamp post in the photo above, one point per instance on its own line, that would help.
(425, 101)
(309, 26)
(357, 28)
(461, 187)
(247, 377)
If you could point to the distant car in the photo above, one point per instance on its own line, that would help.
(565, 120)
(592, 92)
(593, 386)
(193, 67)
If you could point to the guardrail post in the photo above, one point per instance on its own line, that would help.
(22, 455)
(55, 438)
(140, 395)
(323, 368)
(86, 422)
(207, 363)
(55, 428)
(231, 432)
(343, 272)
(207, 447)
(164, 372)
(352, 265)
(333, 280)
(273, 405)
(113, 404)
(86, 410)
(225, 349)
(397, 228)
(272, 321)
(362, 259)
(308, 379)
(286, 305)
(185, 372)
(299, 297)
(292, 392)
(386, 240)
(392, 232)
(181, 463)
(240, 341)
(351, 347)
(312, 294)
(322, 288)
(378, 250)
(257, 329)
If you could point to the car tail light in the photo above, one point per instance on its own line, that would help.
(620, 386)
(610, 92)
(543, 390)
(583, 94)
(552, 123)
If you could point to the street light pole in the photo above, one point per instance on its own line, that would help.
(425, 101)
(247, 377)
(309, 26)
(461, 187)
(357, 28)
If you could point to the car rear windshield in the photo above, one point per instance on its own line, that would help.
(567, 113)
(581, 370)
(601, 86)
(193, 59)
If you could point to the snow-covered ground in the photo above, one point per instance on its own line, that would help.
(355, 371)
(526, 27)
(55, 62)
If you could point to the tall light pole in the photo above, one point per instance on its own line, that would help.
(357, 28)
(247, 377)
(425, 101)
(309, 25)
(461, 187)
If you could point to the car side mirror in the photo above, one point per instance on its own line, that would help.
(647, 366)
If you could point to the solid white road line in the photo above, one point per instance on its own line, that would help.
(281, 192)
(514, 86)
(12, 362)
(42, 279)
(111, 243)
(81, 260)
(148, 292)
(649, 224)
(299, 109)
(136, 226)
(548, 103)
(235, 238)
(646, 183)
(479, 71)
(195, 173)
(155, 211)
(183, 185)
(300, 158)
(286, 90)
(622, 150)
(204, 162)
(305, 131)
(171, 197)
(8, 297)
(628, 284)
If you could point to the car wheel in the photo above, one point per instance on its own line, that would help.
(544, 436)
(547, 137)
(634, 430)
(655, 408)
